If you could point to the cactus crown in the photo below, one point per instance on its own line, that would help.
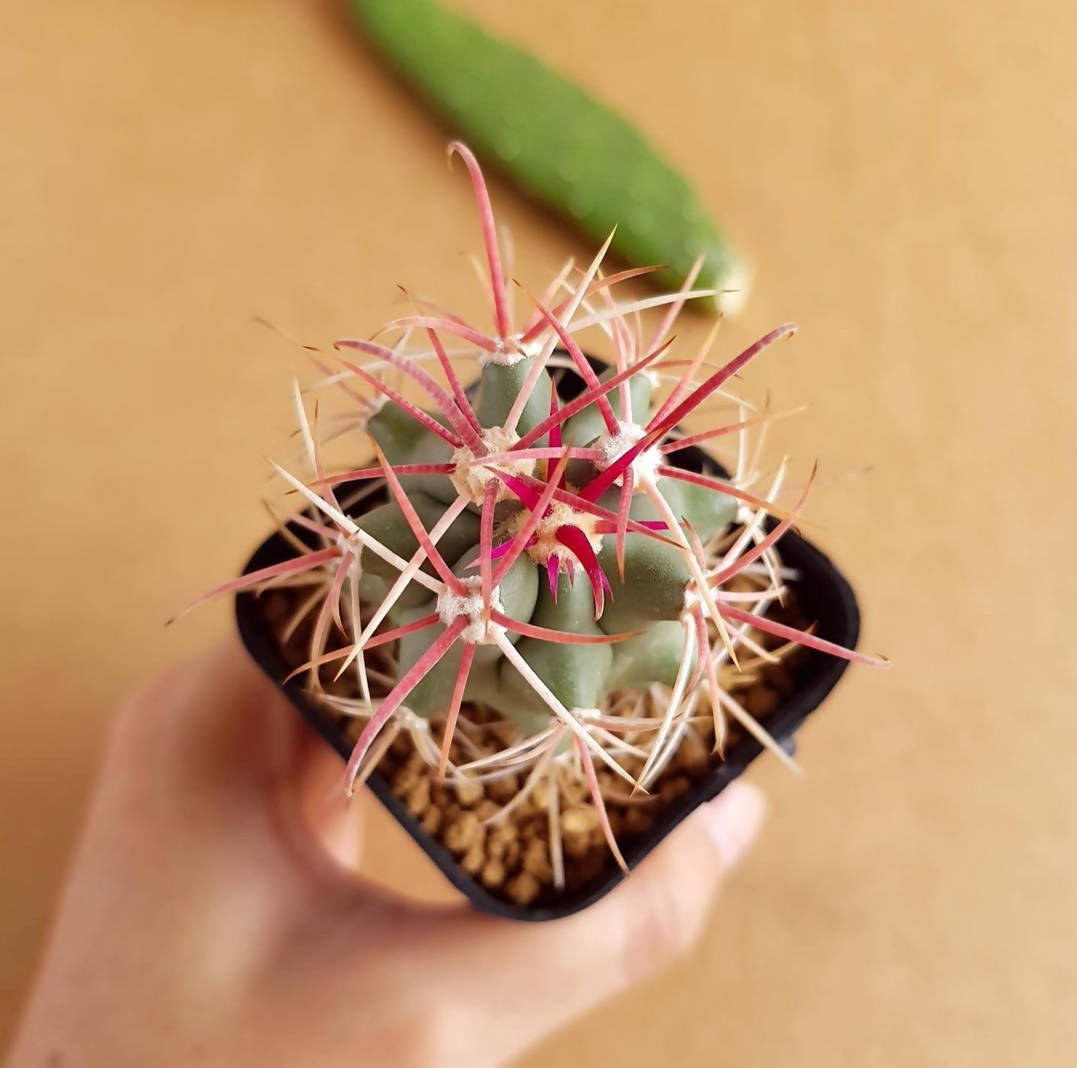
(538, 550)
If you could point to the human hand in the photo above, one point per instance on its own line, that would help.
(213, 915)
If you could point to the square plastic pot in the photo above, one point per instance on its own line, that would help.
(823, 596)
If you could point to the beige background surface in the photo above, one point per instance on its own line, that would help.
(902, 175)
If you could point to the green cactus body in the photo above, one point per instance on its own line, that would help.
(500, 386)
(650, 599)
(517, 593)
(388, 525)
(588, 425)
(577, 674)
(654, 656)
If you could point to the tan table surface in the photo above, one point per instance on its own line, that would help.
(903, 177)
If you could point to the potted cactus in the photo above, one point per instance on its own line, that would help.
(540, 622)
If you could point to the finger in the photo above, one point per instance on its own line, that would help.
(332, 819)
(213, 745)
(187, 832)
(543, 975)
(212, 724)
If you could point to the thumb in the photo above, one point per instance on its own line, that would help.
(540, 976)
(660, 912)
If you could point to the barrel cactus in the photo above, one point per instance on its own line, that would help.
(532, 549)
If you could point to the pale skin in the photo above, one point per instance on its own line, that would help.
(213, 915)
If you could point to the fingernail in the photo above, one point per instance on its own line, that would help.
(733, 820)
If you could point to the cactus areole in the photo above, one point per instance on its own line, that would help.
(543, 545)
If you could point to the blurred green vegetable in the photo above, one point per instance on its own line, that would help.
(558, 143)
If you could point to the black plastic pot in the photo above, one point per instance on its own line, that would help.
(823, 596)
